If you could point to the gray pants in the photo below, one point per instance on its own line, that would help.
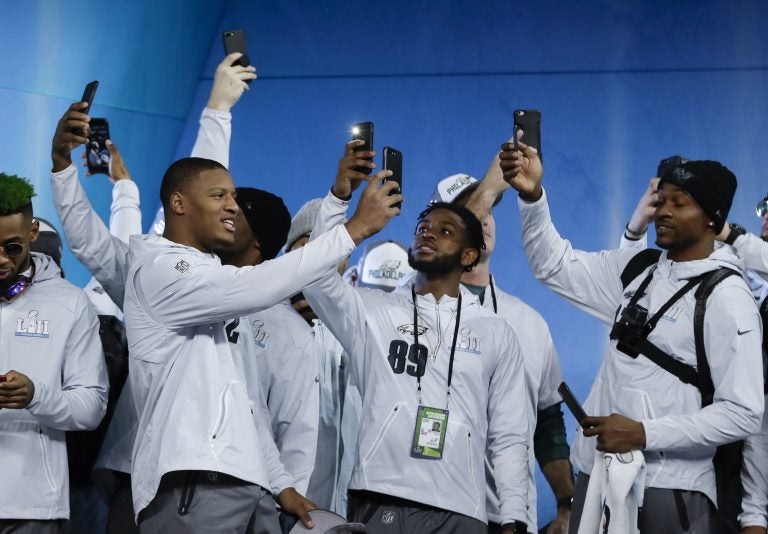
(30, 526)
(205, 502)
(664, 511)
(383, 514)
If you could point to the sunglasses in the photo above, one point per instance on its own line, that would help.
(762, 207)
(12, 250)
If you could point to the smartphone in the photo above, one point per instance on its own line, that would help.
(570, 400)
(392, 160)
(88, 94)
(97, 153)
(234, 41)
(529, 121)
(364, 131)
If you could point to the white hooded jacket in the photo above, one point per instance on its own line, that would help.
(487, 405)
(50, 333)
(681, 436)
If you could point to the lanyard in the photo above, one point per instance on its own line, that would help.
(493, 293)
(453, 345)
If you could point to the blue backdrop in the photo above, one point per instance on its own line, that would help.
(620, 84)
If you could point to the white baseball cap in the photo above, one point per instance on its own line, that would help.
(383, 265)
(456, 185)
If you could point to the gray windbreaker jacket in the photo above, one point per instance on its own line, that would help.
(51, 334)
(681, 436)
(193, 406)
(487, 403)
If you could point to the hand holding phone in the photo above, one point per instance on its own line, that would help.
(529, 122)
(573, 404)
(393, 161)
(88, 94)
(363, 131)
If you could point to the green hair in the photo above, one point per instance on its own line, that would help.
(15, 195)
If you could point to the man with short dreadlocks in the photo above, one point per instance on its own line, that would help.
(52, 374)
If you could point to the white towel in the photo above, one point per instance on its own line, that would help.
(614, 494)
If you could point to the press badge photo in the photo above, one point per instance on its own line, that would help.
(429, 434)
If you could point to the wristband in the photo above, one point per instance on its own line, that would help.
(565, 502)
(736, 231)
(632, 235)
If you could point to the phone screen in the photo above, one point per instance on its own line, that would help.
(529, 121)
(393, 161)
(97, 153)
(364, 131)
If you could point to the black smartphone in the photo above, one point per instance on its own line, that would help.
(97, 153)
(234, 41)
(364, 131)
(529, 121)
(570, 400)
(88, 94)
(392, 160)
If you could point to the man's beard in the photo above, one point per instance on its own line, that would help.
(443, 265)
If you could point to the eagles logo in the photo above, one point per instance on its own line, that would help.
(408, 329)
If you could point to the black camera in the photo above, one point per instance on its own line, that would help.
(630, 328)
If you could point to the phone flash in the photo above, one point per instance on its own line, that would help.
(355, 130)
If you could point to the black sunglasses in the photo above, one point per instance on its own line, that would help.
(12, 249)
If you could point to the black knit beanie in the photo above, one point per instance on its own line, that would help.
(710, 183)
(268, 218)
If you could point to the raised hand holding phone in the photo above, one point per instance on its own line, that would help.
(348, 175)
(88, 95)
(393, 162)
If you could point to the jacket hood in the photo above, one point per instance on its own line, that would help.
(722, 256)
(45, 267)
(404, 288)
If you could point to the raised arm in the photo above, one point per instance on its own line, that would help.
(636, 232)
(103, 254)
(589, 280)
(215, 132)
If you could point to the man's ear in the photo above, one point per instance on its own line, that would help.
(34, 230)
(469, 257)
(176, 203)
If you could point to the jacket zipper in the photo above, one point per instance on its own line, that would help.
(222, 410)
(46, 463)
(382, 433)
(469, 460)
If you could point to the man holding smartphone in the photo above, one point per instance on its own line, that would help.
(419, 355)
(642, 406)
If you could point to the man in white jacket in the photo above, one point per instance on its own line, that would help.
(104, 251)
(194, 455)
(436, 376)
(636, 404)
(753, 515)
(52, 377)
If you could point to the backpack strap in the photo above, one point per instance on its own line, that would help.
(639, 263)
(712, 278)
